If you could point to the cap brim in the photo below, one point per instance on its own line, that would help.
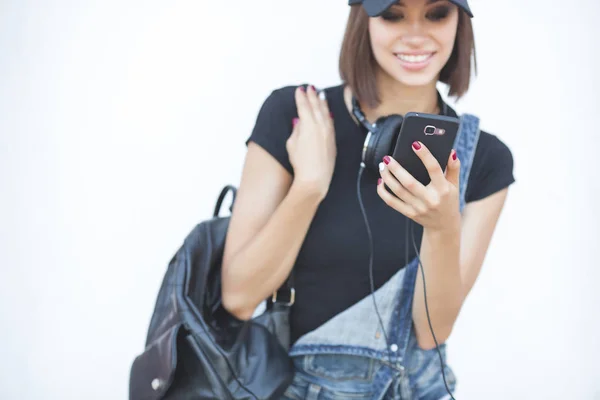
(464, 5)
(375, 8)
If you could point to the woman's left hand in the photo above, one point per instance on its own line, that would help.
(435, 206)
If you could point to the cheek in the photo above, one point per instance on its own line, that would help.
(446, 36)
(381, 37)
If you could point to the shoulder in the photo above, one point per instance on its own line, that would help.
(279, 101)
(273, 124)
(283, 94)
(492, 150)
(283, 98)
(276, 113)
(492, 167)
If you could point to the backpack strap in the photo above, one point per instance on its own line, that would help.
(222, 195)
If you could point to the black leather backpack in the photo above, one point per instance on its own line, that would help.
(194, 348)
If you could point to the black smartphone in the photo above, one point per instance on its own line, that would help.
(437, 132)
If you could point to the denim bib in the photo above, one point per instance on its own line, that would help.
(348, 357)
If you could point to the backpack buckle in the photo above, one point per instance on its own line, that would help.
(292, 297)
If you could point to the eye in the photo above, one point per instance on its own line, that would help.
(438, 13)
(391, 16)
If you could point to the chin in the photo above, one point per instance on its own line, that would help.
(413, 78)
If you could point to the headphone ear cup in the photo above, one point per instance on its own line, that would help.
(381, 142)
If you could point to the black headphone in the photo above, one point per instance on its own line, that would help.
(381, 135)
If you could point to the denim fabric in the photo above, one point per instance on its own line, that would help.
(341, 377)
(348, 358)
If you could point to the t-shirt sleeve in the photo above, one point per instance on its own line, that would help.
(273, 125)
(492, 168)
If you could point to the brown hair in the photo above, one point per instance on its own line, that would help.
(357, 63)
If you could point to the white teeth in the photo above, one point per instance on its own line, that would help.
(412, 58)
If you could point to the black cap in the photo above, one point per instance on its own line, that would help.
(375, 8)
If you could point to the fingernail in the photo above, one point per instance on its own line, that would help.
(331, 114)
(313, 88)
(302, 88)
(379, 181)
(386, 160)
(295, 121)
(454, 155)
(416, 145)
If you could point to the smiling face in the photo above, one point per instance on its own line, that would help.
(413, 40)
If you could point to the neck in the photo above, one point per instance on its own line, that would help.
(396, 98)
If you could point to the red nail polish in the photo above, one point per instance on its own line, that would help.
(416, 145)
(313, 88)
(295, 121)
(454, 155)
(331, 114)
(379, 181)
(302, 89)
(386, 160)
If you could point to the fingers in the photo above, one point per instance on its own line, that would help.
(431, 163)
(303, 104)
(400, 191)
(453, 169)
(295, 122)
(313, 104)
(292, 139)
(324, 108)
(410, 183)
(393, 201)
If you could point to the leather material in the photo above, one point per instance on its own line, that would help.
(195, 349)
(382, 141)
(381, 137)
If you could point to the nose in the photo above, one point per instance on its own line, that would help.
(415, 34)
(414, 40)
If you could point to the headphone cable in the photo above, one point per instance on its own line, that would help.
(371, 128)
(371, 280)
(420, 266)
(408, 232)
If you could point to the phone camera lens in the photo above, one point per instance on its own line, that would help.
(429, 130)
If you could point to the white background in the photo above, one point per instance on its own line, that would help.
(121, 121)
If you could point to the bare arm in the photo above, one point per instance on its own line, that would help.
(452, 261)
(269, 223)
(453, 245)
(273, 212)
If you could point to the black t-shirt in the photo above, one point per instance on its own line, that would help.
(332, 269)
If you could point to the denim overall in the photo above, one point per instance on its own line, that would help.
(348, 358)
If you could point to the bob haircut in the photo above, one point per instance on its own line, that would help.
(357, 64)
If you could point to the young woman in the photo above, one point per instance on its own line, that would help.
(298, 208)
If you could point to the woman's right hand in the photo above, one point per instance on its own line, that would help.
(311, 147)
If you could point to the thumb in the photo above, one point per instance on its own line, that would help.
(453, 169)
(294, 133)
